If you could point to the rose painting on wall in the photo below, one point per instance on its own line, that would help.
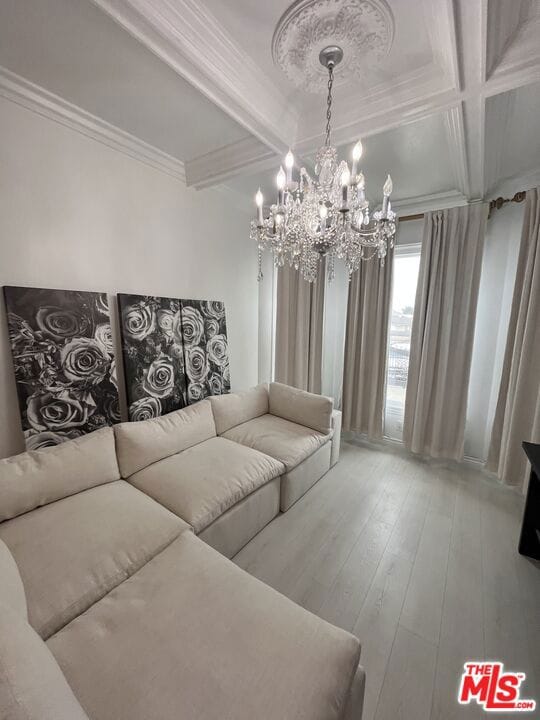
(153, 355)
(62, 349)
(206, 352)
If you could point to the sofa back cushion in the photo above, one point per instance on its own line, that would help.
(139, 444)
(39, 477)
(12, 592)
(32, 686)
(301, 407)
(237, 408)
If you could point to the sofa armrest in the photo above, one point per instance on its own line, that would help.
(336, 437)
(299, 406)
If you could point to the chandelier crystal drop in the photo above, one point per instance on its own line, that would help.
(326, 216)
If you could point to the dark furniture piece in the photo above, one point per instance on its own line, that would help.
(529, 540)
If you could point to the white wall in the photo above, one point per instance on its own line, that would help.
(75, 214)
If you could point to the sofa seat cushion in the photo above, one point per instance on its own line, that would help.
(204, 481)
(72, 552)
(193, 636)
(281, 439)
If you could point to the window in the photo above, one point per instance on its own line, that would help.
(405, 279)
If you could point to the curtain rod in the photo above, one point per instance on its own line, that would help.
(500, 201)
(493, 205)
(405, 218)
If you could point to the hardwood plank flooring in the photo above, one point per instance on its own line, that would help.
(417, 559)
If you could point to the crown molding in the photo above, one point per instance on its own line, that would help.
(455, 130)
(44, 103)
(215, 167)
(427, 203)
(187, 36)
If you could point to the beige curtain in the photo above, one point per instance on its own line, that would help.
(299, 329)
(366, 345)
(517, 416)
(443, 330)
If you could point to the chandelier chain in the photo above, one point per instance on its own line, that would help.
(329, 105)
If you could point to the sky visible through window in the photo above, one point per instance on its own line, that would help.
(405, 281)
(403, 296)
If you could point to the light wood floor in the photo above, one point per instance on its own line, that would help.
(420, 562)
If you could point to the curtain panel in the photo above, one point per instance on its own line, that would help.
(443, 331)
(366, 347)
(517, 416)
(299, 329)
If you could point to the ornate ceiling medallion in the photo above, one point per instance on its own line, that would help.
(364, 29)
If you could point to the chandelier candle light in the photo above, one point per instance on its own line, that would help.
(327, 216)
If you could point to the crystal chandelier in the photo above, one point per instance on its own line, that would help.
(327, 216)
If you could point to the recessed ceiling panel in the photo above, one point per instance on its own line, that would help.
(504, 21)
(512, 137)
(416, 155)
(74, 50)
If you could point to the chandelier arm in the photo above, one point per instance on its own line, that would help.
(329, 104)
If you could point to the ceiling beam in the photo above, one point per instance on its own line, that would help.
(187, 36)
(454, 123)
(471, 21)
(498, 115)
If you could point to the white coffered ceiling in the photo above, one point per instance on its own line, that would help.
(451, 111)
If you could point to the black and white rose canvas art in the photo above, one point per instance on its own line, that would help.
(153, 350)
(206, 350)
(63, 357)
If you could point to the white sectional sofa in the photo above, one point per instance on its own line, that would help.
(111, 607)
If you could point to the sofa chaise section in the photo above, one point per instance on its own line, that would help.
(71, 548)
(192, 636)
(111, 607)
(293, 426)
(32, 686)
(225, 491)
